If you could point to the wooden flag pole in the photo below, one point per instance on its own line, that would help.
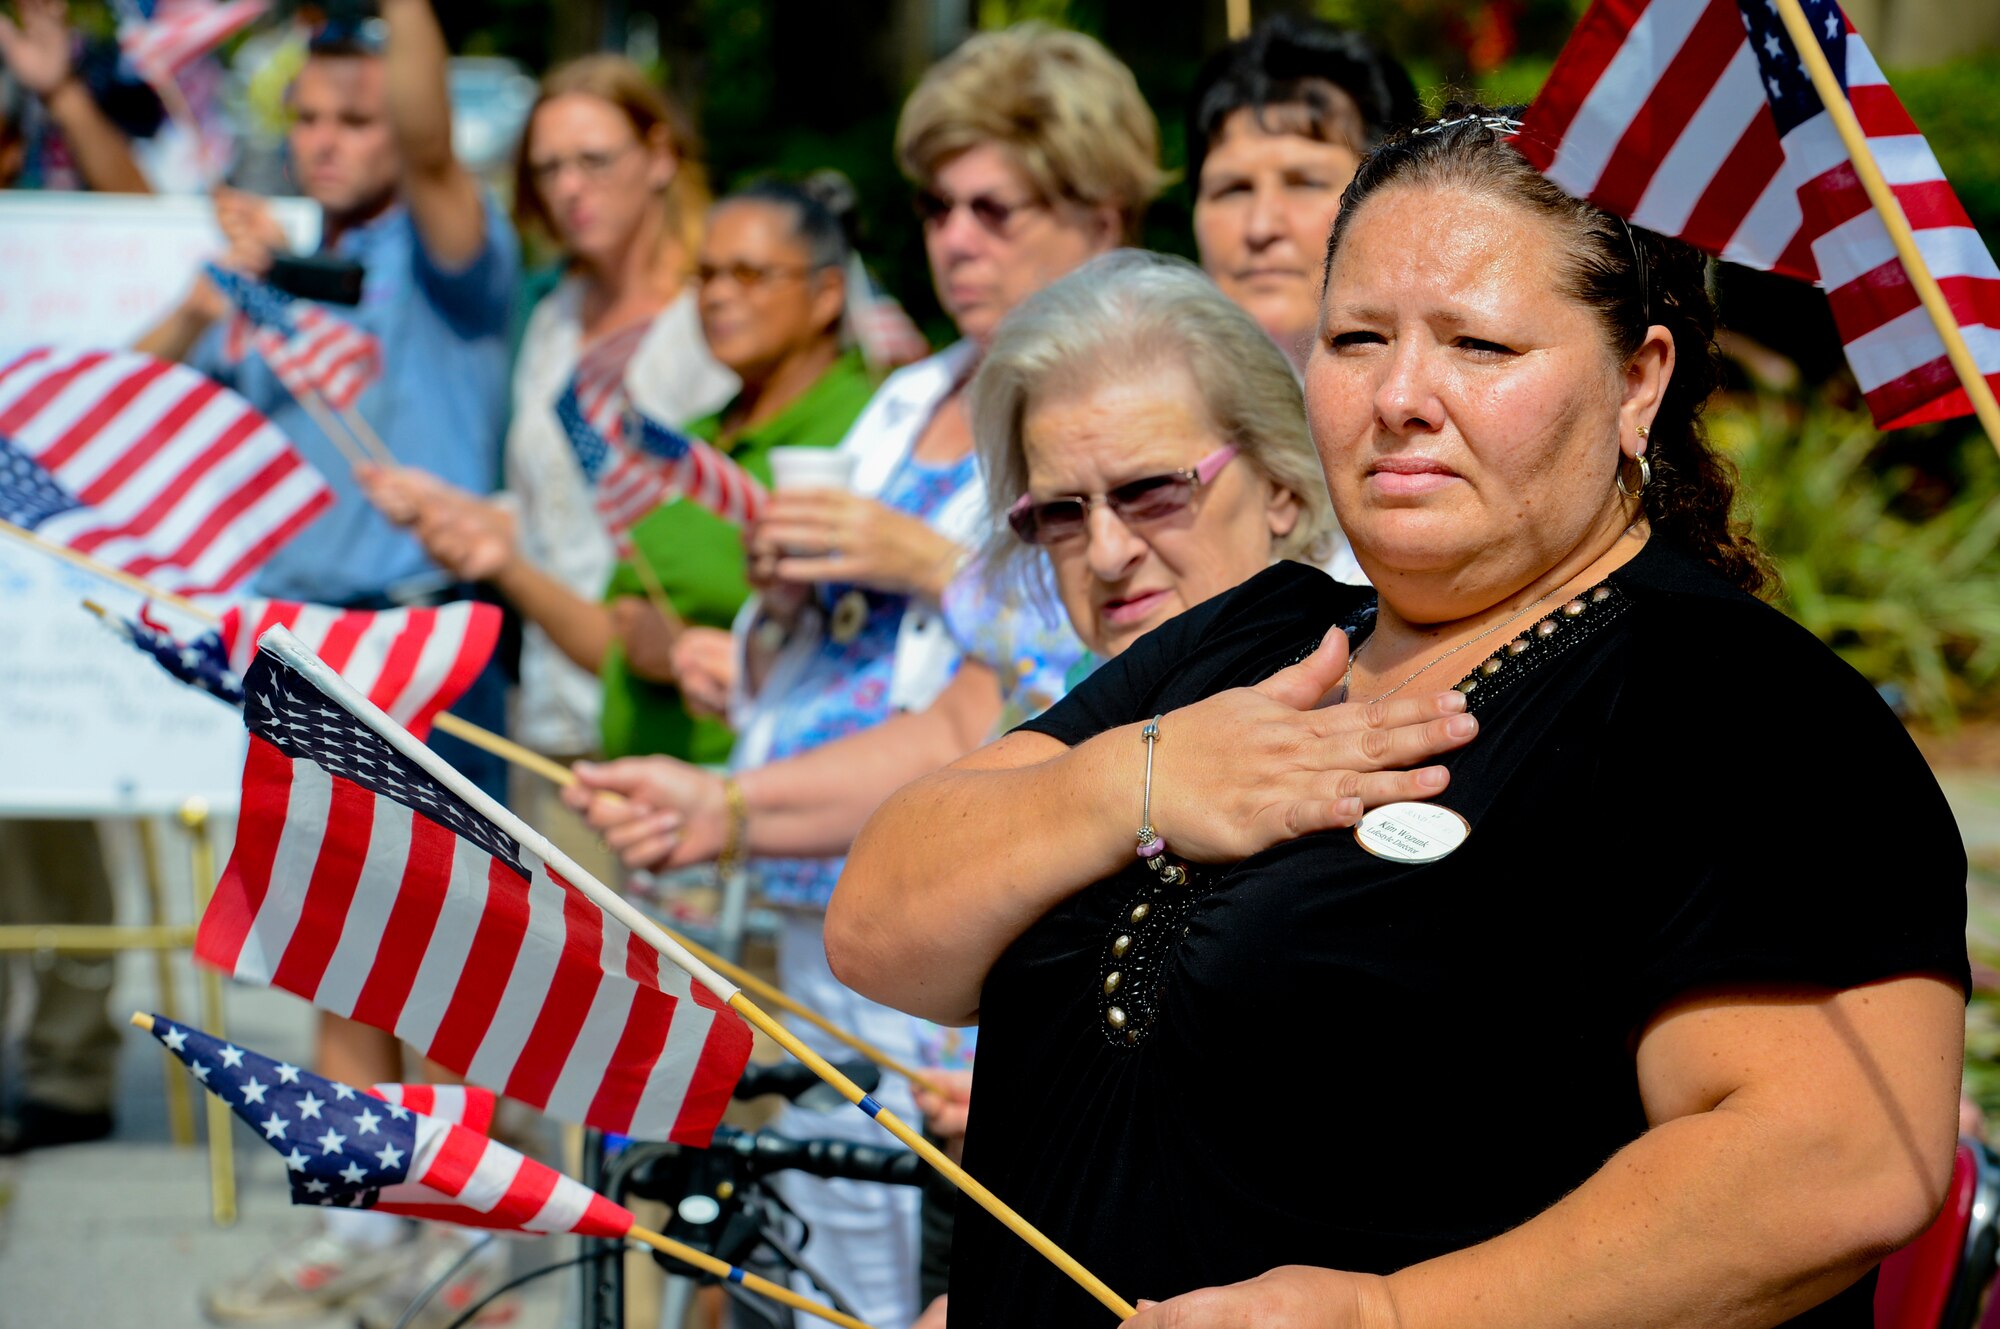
(357, 424)
(932, 1155)
(729, 1273)
(528, 759)
(349, 444)
(1806, 42)
(1237, 14)
(656, 594)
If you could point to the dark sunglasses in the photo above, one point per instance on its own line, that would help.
(1153, 498)
(992, 215)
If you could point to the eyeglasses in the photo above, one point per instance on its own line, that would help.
(589, 165)
(748, 276)
(992, 214)
(1154, 498)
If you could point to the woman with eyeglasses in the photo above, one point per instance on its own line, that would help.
(1032, 151)
(770, 283)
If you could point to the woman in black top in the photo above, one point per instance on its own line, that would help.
(1688, 940)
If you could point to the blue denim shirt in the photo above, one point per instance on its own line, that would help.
(440, 404)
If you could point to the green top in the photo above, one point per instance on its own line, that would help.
(699, 558)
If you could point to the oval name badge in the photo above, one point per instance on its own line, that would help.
(1411, 832)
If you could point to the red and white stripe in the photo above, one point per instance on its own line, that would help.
(413, 663)
(182, 482)
(324, 354)
(1656, 110)
(380, 914)
(467, 1104)
(182, 32)
(715, 481)
(459, 1175)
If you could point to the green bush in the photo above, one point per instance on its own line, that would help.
(1888, 546)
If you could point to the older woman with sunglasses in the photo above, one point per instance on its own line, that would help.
(1032, 151)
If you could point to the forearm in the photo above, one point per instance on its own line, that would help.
(414, 60)
(814, 804)
(580, 628)
(443, 197)
(174, 337)
(1735, 1218)
(103, 156)
(944, 877)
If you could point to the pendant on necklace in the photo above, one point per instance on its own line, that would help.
(1411, 832)
(850, 615)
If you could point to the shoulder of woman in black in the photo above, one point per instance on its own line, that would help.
(1805, 835)
(1234, 639)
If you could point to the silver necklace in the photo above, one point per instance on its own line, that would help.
(1347, 678)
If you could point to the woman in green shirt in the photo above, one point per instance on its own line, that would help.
(772, 288)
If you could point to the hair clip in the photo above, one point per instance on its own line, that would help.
(1499, 124)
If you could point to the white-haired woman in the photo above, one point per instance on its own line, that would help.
(1146, 449)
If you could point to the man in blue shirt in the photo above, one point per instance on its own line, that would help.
(371, 144)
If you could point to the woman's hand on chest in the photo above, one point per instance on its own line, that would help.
(1253, 767)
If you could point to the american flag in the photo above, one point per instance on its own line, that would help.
(309, 349)
(1697, 119)
(412, 663)
(201, 663)
(162, 39)
(148, 467)
(378, 1149)
(627, 482)
(466, 1104)
(888, 337)
(377, 883)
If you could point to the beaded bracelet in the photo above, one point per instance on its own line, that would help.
(1152, 848)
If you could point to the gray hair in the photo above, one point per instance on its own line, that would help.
(1129, 312)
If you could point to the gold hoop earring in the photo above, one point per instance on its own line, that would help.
(1645, 472)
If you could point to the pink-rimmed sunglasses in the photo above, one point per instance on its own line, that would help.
(1152, 498)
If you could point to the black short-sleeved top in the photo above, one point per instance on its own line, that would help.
(1333, 1059)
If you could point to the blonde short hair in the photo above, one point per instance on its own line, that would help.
(1131, 313)
(1068, 110)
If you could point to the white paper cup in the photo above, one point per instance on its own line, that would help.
(811, 468)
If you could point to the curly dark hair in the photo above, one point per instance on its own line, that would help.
(1632, 279)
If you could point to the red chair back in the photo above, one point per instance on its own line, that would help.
(1915, 1284)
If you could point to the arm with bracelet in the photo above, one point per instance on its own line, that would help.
(956, 866)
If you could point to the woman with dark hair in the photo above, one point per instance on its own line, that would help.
(1280, 121)
(1713, 1019)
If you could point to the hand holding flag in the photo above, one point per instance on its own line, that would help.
(418, 1151)
(377, 882)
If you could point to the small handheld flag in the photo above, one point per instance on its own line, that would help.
(413, 663)
(310, 350)
(374, 881)
(161, 39)
(1698, 120)
(418, 1151)
(148, 468)
(634, 463)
